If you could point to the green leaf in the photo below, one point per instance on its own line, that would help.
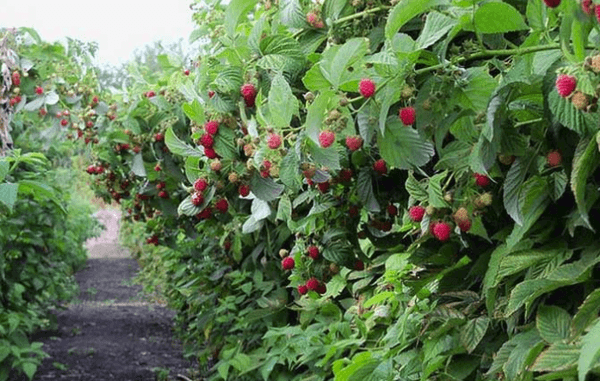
(8, 194)
(4, 168)
(234, 10)
(472, 333)
(265, 189)
(402, 147)
(498, 18)
(404, 12)
(260, 209)
(178, 147)
(51, 98)
(225, 143)
(288, 172)
(327, 157)
(435, 196)
(282, 103)
(436, 26)
(558, 183)
(284, 209)
(566, 114)
(335, 70)
(559, 356)
(291, 15)
(590, 351)
(553, 323)
(35, 104)
(585, 162)
(137, 165)
(29, 369)
(415, 188)
(587, 313)
(365, 190)
(194, 111)
(513, 188)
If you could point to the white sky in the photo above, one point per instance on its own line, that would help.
(119, 26)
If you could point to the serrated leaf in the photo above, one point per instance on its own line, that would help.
(472, 333)
(553, 323)
(137, 165)
(590, 352)
(586, 314)
(178, 147)
(436, 26)
(8, 194)
(345, 56)
(234, 10)
(434, 191)
(282, 103)
(585, 162)
(365, 190)
(260, 209)
(265, 189)
(559, 356)
(192, 168)
(566, 114)
(288, 172)
(225, 144)
(498, 18)
(51, 98)
(403, 12)
(284, 209)
(512, 189)
(402, 147)
(4, 168)
(194, 111)
(558, 184)
(291, 15)
(35, 104)
(415, 188)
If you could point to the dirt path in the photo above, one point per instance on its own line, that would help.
(112, 332)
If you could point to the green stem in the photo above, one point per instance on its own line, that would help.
(519, 124)
(361, 14)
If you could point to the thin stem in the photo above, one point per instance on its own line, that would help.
(519, 124)
(361, 14)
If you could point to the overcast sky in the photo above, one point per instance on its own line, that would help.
(119, 26)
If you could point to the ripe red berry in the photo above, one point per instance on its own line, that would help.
(186, 72)
(380, 167)
(197, 198)
(313, 252)
(43, 112)
(207, 141)
(137, 149)
(211, 127)
(16, 78)
(161, 185)
(64, 122)
(353, 211)
(150, 94)
(321, 289)
(359, 265)
(302, 289)
(244, 190)
(323, 187)
(39, 90)
(288, 263)
(91, 169)
(552, 3)
(441, 231)
(200, 184)
(157, 168)
(95, 99)
(205, 214)
(312, 284)
(163, 194)
(326, 138)
(311, 18)
(392, 210)
(481, 180)
(565, 84)
(248, 92)
(554, 158)
(345, 175)
(211, 93)
(366, 87)
(222, 205)
(159, 137)
(210, 152)
(274, 141)
(407, 115)
(588, 7)
(464, 225)
(354, 142)
(416, 213)
(597, 12)
(13, 101)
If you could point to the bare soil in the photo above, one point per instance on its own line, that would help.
(112, 331)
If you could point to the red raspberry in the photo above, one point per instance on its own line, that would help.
(598, 13)
(91, 169)
(354, 143)
(464, 225)
(392, 210)
(207, 141)
(95, 99)
(205, 214)
(222, 205)
(210, 152)
(312, 284)
(288, 263)
(481, 180)
(150, 94)
(311, 18)
(39, 90)
(197, 198)
(326, 138)
(159, 137)
(157, 168)
(227, 245)
(441, 231)
(323, 187)
(353, 211)
(64, 122)
(244, 190)
(137, 149)
(43, 112)
(13, 101)
(566, 84)
(211, 94)
(321, 289)
(264, 174)
(366, 87)
(380, 167)
(554, 158)
(345, 175)
(274, 141)
(416, 213)
(407, 115)
(588, 7)
(200, 184)
(16, 78)
(552, 3)
(248, 91)
(211, 127)
(302, 289)
(186, 72)
(359, 265)
(163, 194)
(313, 252)
(161, 185)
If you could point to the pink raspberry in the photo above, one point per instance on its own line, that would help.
(39, 90)
(554, 158)
(552, 3)
(323, 187)
(566, 84)
(312, 284)
(200, 185)
(274, 141)
(222, 205)
(197, 198)
(354, 143)
(481, 180)
(380, 166)
(244, 190)
(416, 213)
(248, 91)
(366, 87)
(441, 231)
(313, 252)
(326, 138)
(588, 7)
(210, 152)
(302, 289)
(464, 225)
(211, 127)
(207, 141)
(288, 263)
(407, 115)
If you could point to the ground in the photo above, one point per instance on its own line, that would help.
(112, 331)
